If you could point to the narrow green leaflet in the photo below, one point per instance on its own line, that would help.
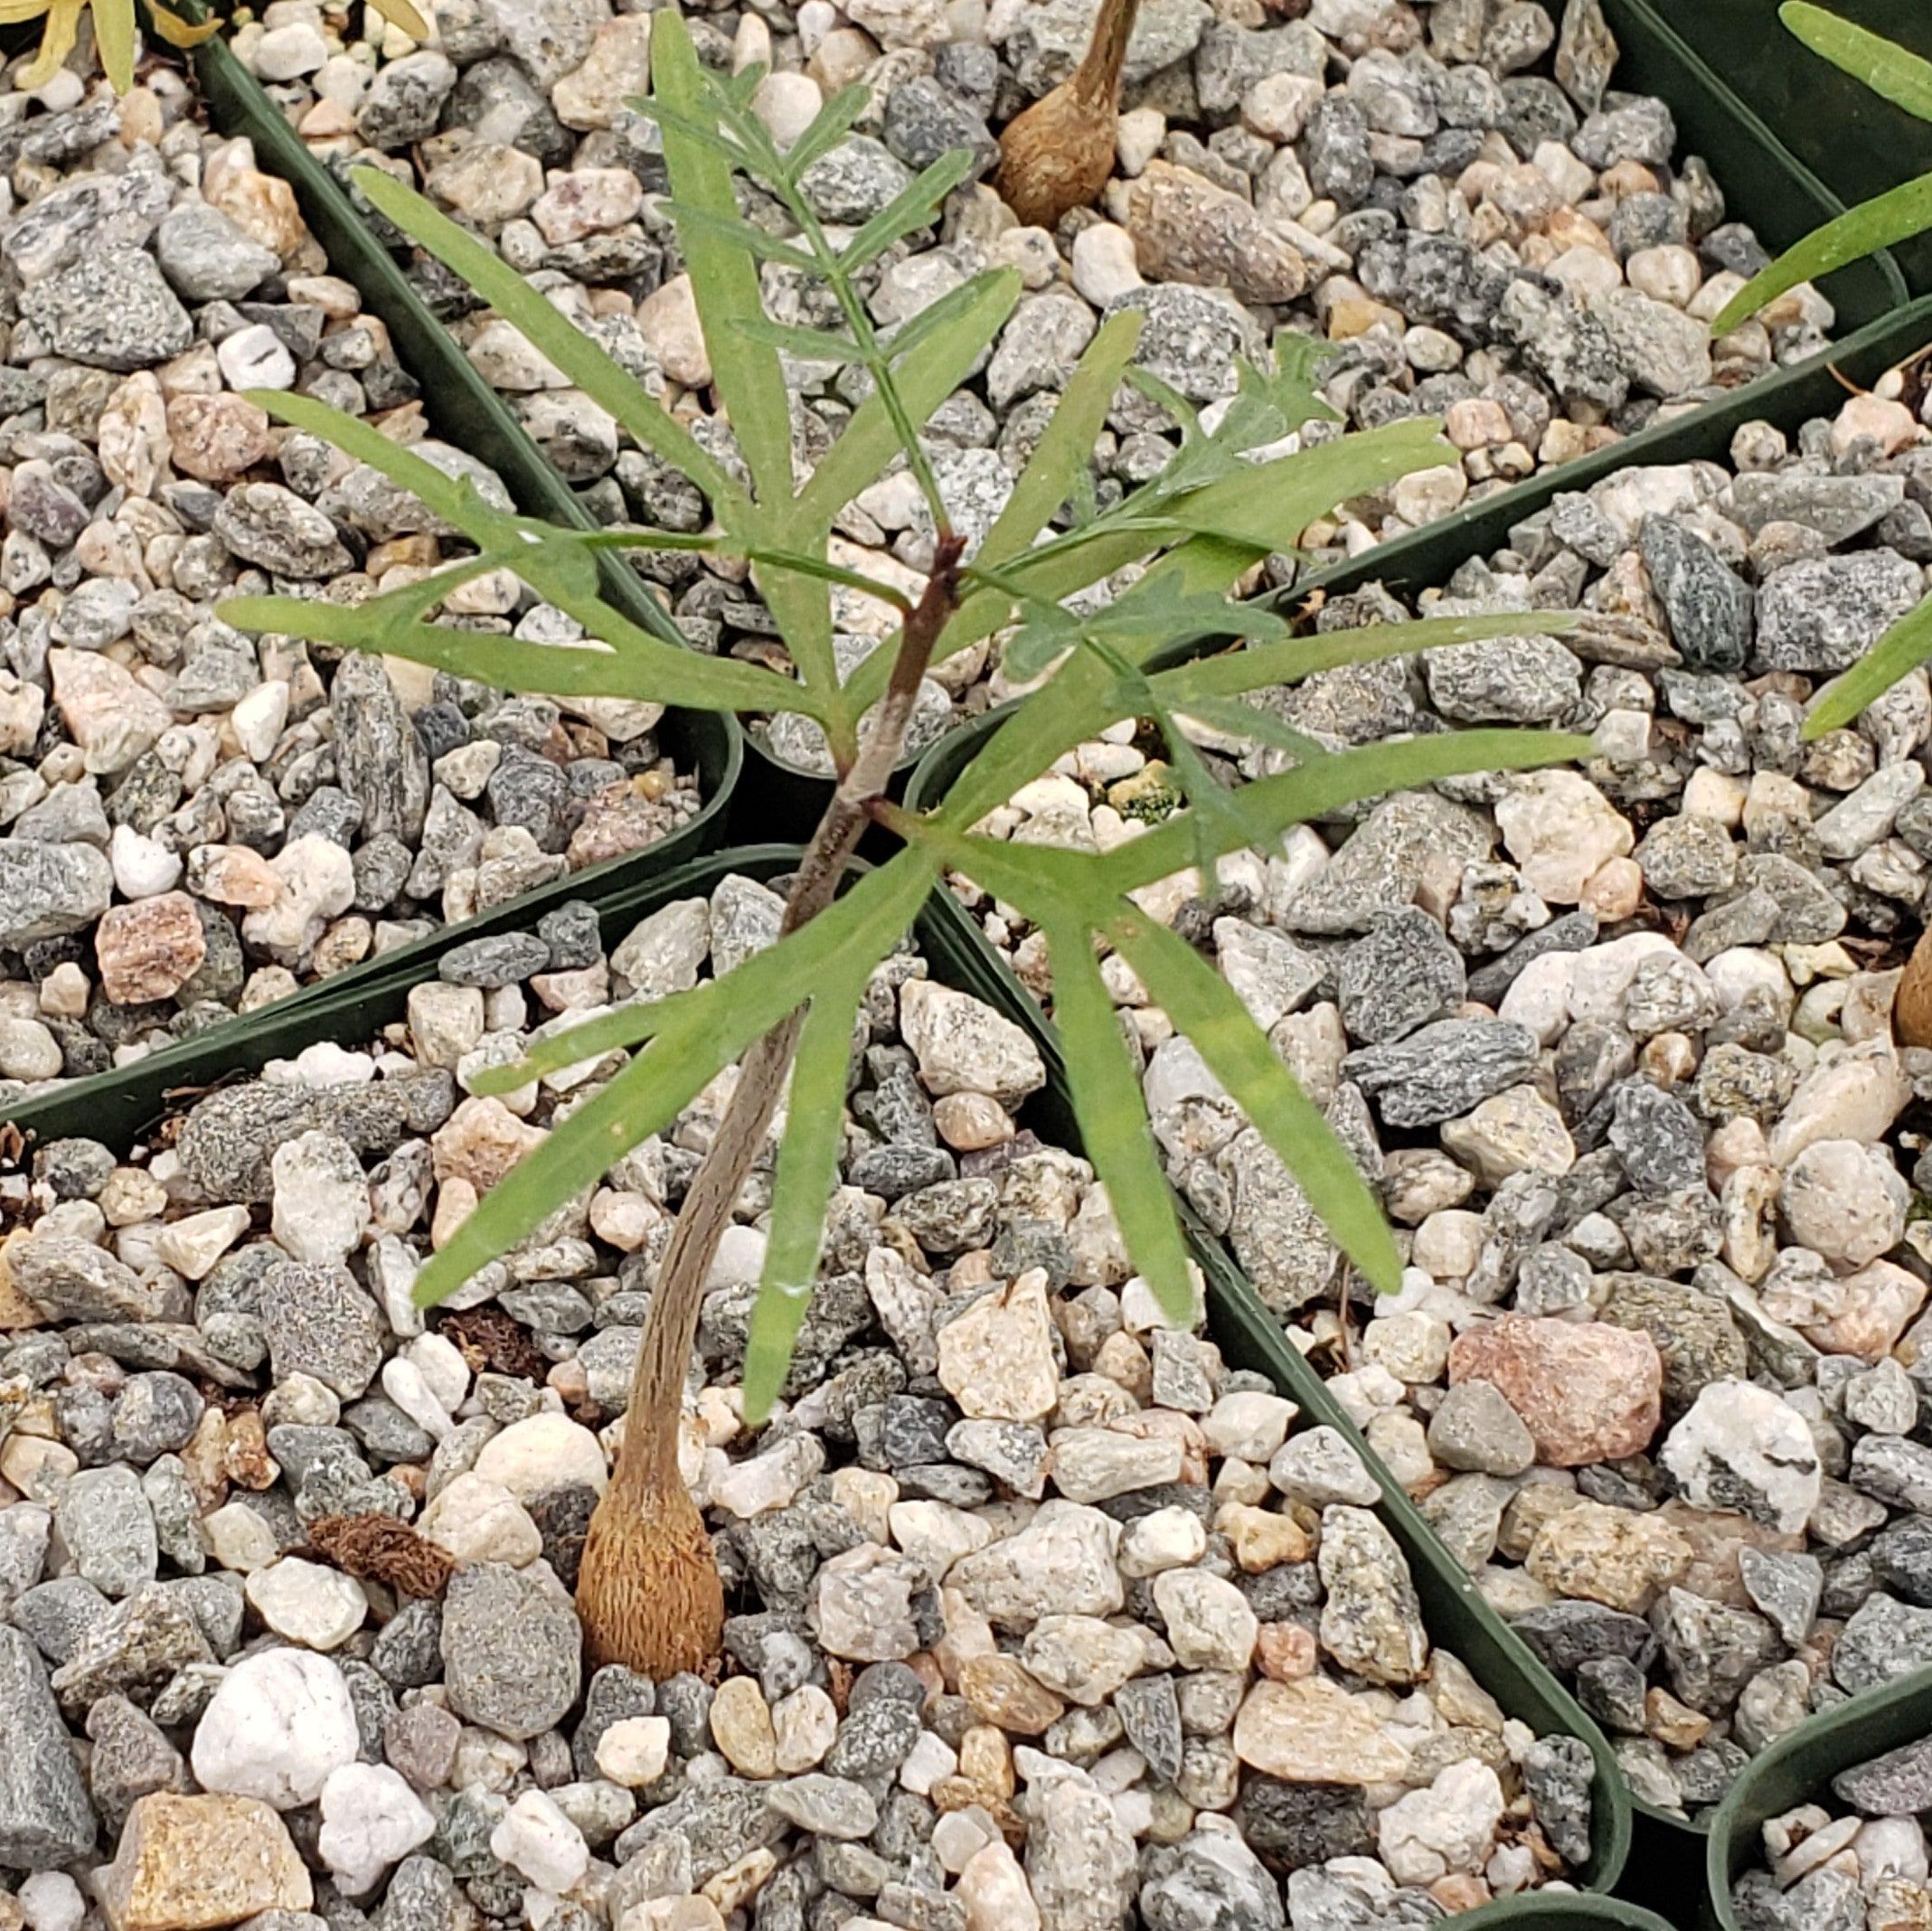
(807, 1172)
(1066, 448)
(1906, 645)
(915, 206)
(959, 326)
(738, 232)
(114, 36)
(1325, 785)
(1889, 69)
(1234, 718)
(833, 123)
(695, 1036)
(1166, 612)
(669, 675)
(1113, 1120)
(549, 333)
(1207, 1010)
(458, 503)
(851, 580)
(1166, 396)
(807, 345)
(1266, 665)
(1895, 216)
(724, 275)
(647, 1095)
(1263, 509)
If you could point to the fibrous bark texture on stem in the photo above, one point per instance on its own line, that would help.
(1056, 156)
(648, 1593)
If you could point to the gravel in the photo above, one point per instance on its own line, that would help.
(194, 821)
(1042, 1614)
(1459, 198)
(1616, 1043)
(1859, 1857)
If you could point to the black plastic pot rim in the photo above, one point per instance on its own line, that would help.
(1798, 1768)
(1857, 143)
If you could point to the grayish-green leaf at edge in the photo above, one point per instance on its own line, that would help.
(1066, 445)
(724, 280)
(1891, 71)
(1906, 645)
(1895, 216)
(1112, 1114)
(560, 341)
(1205, 1007)
(807, 1170)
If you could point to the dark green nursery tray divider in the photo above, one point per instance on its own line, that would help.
(118, 1108)
(1856, 143)
(1799, 1768)
(1714, 85)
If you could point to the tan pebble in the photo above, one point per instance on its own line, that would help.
(741, 1726)
(1614, 890)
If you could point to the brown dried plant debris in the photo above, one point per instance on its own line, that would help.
(487, 1338)
(379, 1549)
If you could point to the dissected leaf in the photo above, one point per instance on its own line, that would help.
(959, 327)
(1905, 646)
(830, 125)
(724, 277)
(695, 1036)
(865, 923)
(807, 1171)
(915, 206)
(1205, 1007)
(1065, 450)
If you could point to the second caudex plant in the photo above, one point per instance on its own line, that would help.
(1078, 597)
